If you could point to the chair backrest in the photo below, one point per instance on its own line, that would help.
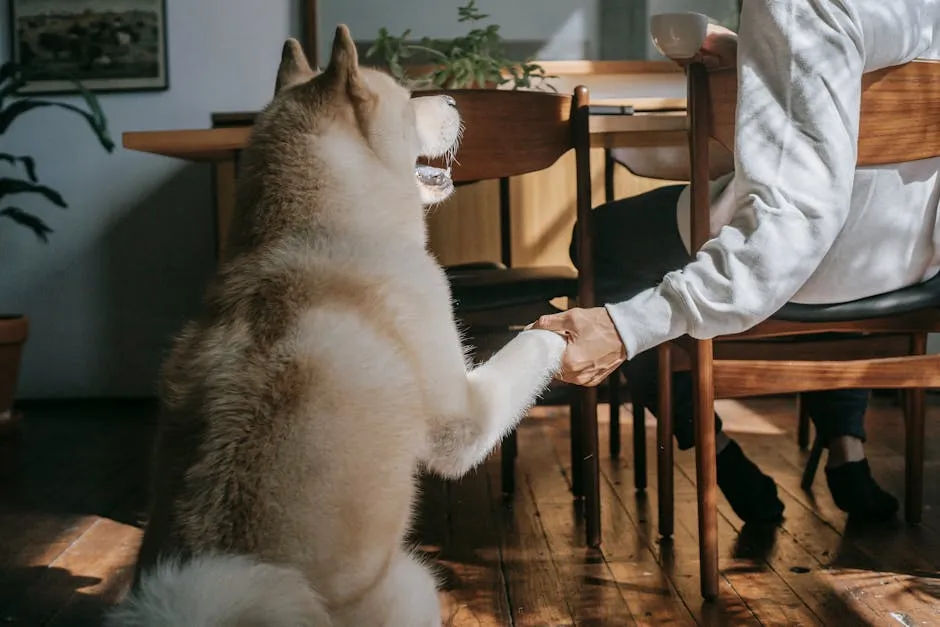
(900, 121)
(508, 133)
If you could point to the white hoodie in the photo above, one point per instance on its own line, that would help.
(797, 221)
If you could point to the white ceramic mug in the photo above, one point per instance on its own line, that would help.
(678, 35)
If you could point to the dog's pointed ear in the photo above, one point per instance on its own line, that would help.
(294, 68)
(344, 63)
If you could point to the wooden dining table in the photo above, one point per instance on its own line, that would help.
(657, 136)
(213, 145)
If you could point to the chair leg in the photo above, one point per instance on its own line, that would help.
(812, 464)
(664, 445)
(706, 467)
(508, 452)
(803, 433)
(613, 387)
(914, 419)
(914, 423)
(639, 444)
(576, 434)
(591, 468)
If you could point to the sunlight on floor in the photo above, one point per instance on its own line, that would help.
(737, 417)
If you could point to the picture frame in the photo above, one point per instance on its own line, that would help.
(108, 45)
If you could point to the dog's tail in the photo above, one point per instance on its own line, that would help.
(220, 590)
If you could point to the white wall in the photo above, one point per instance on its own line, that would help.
(569, 26)
(573, 22)
(129, 258)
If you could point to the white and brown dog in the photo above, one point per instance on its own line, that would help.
(326, 371)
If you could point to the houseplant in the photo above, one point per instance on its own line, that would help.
(22, 179)
(476, 59)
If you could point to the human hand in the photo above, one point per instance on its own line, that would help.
(594, 347)
(718, 51)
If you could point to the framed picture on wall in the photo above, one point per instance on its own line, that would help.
(109, 45)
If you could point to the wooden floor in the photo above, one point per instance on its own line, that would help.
(72, 488)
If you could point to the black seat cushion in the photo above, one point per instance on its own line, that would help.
(490, 285)
(924, 295)
(485, 286)
(472, 267)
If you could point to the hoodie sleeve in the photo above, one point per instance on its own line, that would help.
(800, 67)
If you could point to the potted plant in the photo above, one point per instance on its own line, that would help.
(22, 179)
(476, 59)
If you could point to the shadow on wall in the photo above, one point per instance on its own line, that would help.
(144, 275)
(160, 257)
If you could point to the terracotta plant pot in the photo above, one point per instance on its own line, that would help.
(13, 333)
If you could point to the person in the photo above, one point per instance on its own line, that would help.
(795, 221)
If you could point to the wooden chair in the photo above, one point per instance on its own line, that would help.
(660, 163)
(819, 346)
(637, 408)
(510, 133)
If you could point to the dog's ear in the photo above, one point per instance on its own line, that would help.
(294, 68)
(344, 64)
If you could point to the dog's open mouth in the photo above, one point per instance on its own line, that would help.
(435, 184)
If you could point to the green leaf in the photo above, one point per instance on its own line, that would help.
(431, 51)
(7, 71)
(36, 225)
(475, 58)
(96, 117)
(12, 85)
(10, 186)
(469, 12)
(28, 163)
(98, 124)
(463, 75)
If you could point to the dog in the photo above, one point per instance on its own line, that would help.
(326, 372)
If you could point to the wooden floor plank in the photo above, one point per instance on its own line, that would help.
(795, 565)
(68, 533)
(107, 552)
(679, 558)
(537, 595)
(886, 552)
(761, 587)
(45, 515)
(87, 577)
(643, 582)
(591, 591)
(472, 553)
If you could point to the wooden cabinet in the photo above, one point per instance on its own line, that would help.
(466, 227)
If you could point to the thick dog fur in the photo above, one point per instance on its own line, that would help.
(326, 371)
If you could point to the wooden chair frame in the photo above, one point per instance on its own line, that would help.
(510, 133)
(900, 121)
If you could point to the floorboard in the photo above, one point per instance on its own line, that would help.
(73, 486)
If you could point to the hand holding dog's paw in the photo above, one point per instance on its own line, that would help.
(594, 349)
(553, 344)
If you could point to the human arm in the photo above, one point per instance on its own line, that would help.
(800, 67)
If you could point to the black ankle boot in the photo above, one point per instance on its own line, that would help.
(855, 492)
(751, 494)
